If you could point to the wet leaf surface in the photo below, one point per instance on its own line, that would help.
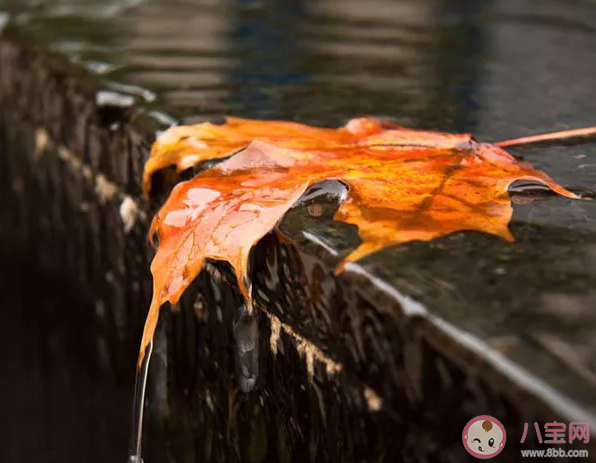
(403, 185)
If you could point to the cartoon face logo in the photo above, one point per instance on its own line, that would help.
(484, 437)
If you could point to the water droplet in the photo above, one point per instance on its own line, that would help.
(246, 335)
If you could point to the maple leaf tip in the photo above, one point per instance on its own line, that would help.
(149, 328)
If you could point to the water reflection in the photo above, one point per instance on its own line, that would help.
(266, 38)
(317, 62)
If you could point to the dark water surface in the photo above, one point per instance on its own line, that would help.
(498, 68)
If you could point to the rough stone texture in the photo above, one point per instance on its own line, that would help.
(350, 370)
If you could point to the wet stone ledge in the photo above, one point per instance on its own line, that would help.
(386, 362)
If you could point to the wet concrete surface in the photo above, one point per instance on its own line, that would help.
(440, 331)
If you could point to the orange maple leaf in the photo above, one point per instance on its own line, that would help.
(403, 185)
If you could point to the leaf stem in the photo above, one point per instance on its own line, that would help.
(553, 136)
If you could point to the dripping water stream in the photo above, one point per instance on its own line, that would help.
(136, 435)
(246, 338)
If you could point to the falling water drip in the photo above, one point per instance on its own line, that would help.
(138, 407)
(246, 335)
